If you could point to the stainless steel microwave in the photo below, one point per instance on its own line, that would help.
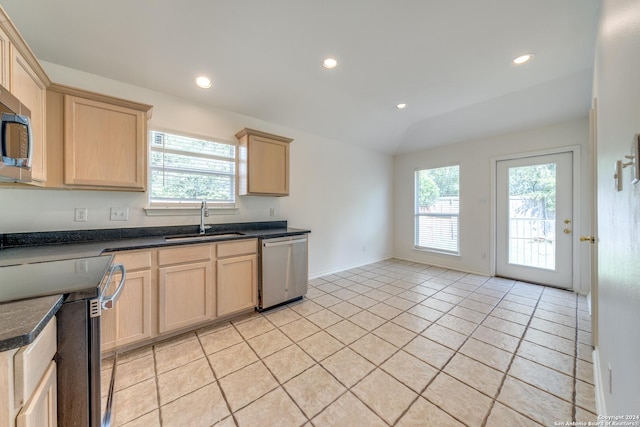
(16, 140)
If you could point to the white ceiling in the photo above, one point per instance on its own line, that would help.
(450, 61)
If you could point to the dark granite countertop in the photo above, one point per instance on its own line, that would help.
(21, 248)
(22, 321)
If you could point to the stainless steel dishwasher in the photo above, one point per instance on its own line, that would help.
(284, 273)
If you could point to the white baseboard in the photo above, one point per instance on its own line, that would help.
(599, 384)
(347, 267)
(448, 267)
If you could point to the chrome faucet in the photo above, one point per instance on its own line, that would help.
(204, 212)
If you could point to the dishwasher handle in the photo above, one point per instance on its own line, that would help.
(107, 302)
(267, 244)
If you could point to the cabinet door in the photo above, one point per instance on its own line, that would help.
(184, 295)
(237, 284)
(4, 59)
(104, 145)
(31, 91)
(268, 166)
(130, 320)
(41, 409)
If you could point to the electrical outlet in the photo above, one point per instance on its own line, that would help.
(119, 214)
(272, 212)
(81, 214)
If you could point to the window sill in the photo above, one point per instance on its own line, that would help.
(187, 211)
(435, 252)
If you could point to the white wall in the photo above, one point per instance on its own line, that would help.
(475, 159)
(617, 89)
(342, 193)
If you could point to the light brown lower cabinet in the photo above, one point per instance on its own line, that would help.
(28, 383)
(42, 409)
(237, 284)
(173, 289)
(237, 276)
(130, 320)
(185, 295)
(185, 287)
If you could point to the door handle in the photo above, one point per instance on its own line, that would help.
(589, 239)
(109, 301)
(268, 244)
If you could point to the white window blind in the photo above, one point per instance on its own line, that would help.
(437, 203)
(185, 171)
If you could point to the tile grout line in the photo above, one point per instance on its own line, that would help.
(319, 363)
(280, 384)
(399, 349)
(405, 272)
(530, 317)
(506, 372)
(216, 380)
(157, 381)
(376, 366)
(441, 370)
(379, 366)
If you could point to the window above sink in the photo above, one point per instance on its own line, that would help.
(186, 170)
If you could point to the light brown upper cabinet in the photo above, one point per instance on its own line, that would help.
(4, 58)
(24, 77)
(103, 140)
(263, 164)
(28, 87)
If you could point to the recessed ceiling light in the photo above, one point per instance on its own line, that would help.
(401, 106)
(330, 63)
(203, 82)
(523, 58)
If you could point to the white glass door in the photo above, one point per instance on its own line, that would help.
(534, 214)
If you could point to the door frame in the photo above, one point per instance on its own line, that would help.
(575, 152)
(593, 292)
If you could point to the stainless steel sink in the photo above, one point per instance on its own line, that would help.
(201, 237)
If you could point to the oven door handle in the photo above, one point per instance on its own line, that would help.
(268, 244)
(107, 302)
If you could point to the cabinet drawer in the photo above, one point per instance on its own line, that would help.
(189, 253)
(31, 361)
(241, 247)
(134, 260)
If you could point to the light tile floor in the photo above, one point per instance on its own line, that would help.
(392, 343)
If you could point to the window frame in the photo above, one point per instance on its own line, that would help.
(417, 214)
(183, 206)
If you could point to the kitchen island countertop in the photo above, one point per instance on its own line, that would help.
(22, 321)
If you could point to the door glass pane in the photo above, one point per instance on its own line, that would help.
(532, 216)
